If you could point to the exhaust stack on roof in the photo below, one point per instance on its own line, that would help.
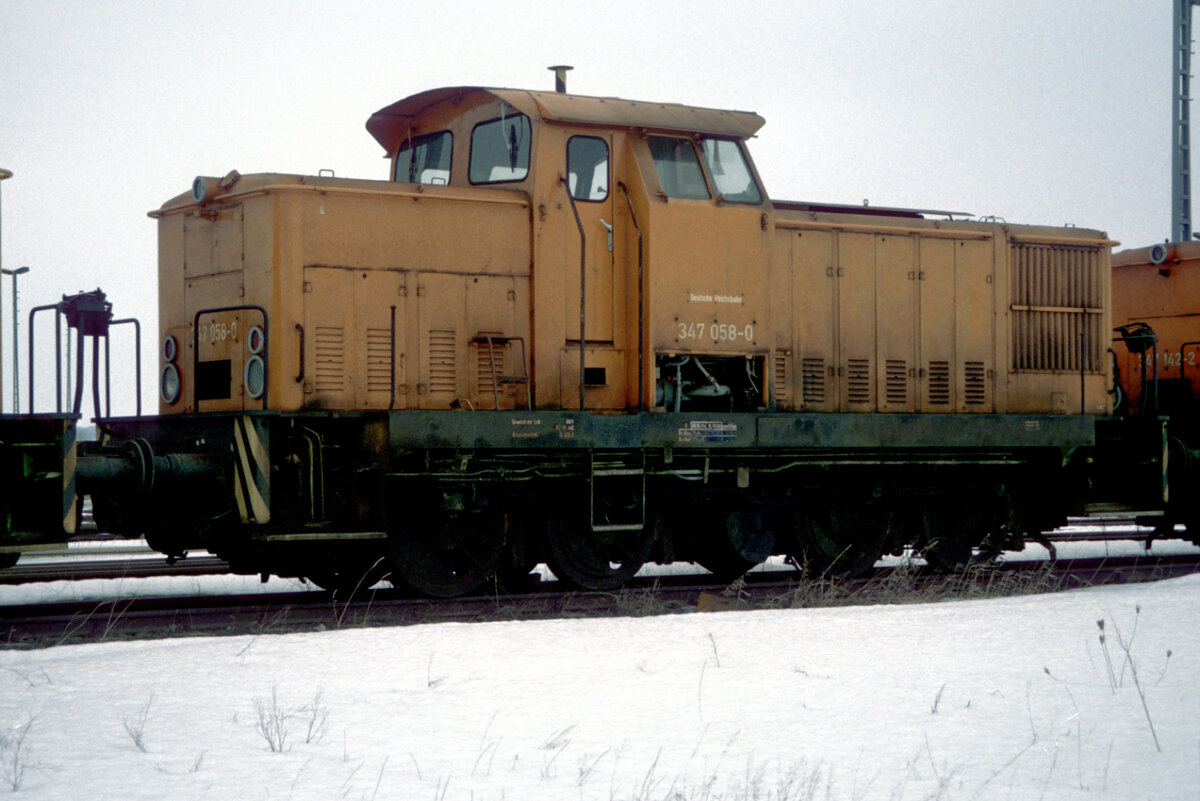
(560, 77)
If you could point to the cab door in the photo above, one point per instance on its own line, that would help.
(589, 173)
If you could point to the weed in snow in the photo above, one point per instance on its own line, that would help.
(271, 721)
(135, 724)
(14, 755)
(1115, 681)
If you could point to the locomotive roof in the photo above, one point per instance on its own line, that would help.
(389, 124)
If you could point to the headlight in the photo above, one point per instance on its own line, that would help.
(199, 189)
(168, 384)
(254, 377)
(170, 349)
(254, 340)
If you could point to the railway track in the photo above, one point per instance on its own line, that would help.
(40, 625)
(138, 561)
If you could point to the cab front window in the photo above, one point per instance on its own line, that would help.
(500, 150)
(731, 175)
(425, 159)
(677, 166)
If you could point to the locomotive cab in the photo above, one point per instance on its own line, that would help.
(639, 214)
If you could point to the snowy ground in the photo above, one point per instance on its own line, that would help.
(1000, 699)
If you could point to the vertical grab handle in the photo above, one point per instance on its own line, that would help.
(300, 375)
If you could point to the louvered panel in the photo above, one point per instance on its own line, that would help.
(783, 377)
(812, 380)
(858, 381)
(1057, 305)
(330, 351)
(895, 381)
(975, 388)
(443, 367)
(938, 392)
(379, 360)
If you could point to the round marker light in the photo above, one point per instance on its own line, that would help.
(254, 377)
(168, 384)
(254, 340)
(170, 349)
(199, 189)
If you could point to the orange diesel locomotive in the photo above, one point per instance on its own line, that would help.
(578, 330)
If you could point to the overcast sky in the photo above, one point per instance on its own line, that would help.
(1044, 112)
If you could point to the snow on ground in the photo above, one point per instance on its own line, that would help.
(1012, 698)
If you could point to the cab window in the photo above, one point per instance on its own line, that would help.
(587, 167)
(425, 159)
(677, 166)
(730, 173)
(500, 150)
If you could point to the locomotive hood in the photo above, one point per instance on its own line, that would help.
(389, 124)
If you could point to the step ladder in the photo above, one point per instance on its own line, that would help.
(492, 341)
(617, 494)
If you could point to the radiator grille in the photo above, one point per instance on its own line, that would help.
(443, 370)
(858, 381)
(782, 377)
(976, 383)
(939, 384)
(330, 351)
(1057, 304)
(896, 381)
(812, 380)
(379, 360)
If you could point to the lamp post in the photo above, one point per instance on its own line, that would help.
(4, 175)
(16, 373)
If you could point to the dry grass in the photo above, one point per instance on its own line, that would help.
(909, 583)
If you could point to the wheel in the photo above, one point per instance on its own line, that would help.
(594, 560)
(742, 539)
(346, 578)
(839, 538)
(445, 553)
(954, 529)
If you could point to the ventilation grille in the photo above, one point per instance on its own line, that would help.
(330, 349)
(976, 383)
(858, 381)
(812, 379)
(1057, 305)
(782, 377)
(896, 382)
(487, 379)
(379, 360)
(939, 384)
(443, 371)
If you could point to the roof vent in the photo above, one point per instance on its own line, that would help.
(560, 77)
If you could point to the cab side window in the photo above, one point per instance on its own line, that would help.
(500, 150)
(677, 166)
(425, 159)
(587, 167)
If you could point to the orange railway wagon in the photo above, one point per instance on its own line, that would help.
(1156, 350)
